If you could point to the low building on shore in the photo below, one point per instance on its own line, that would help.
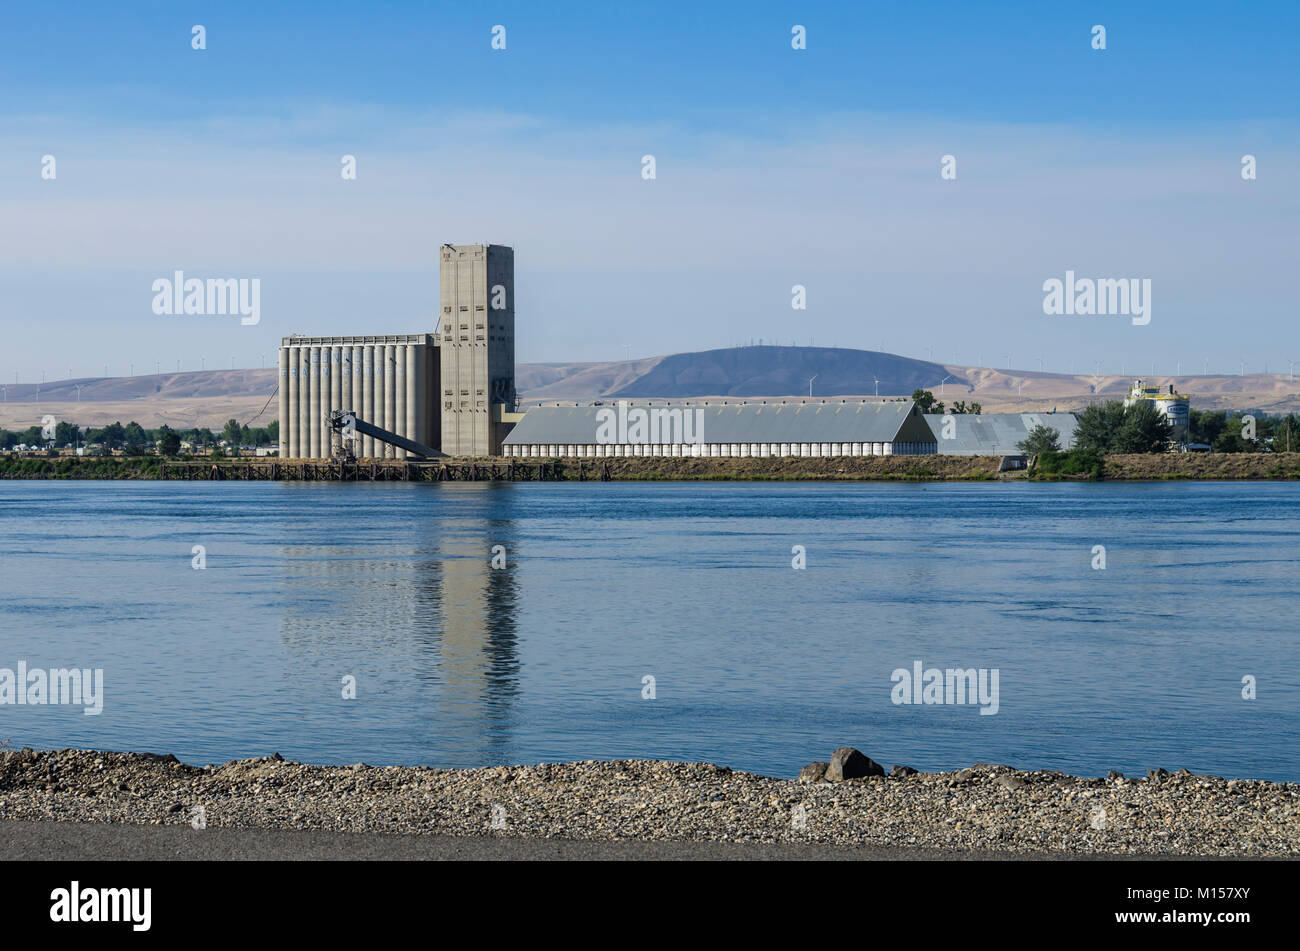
(995, 434)
(741, 428)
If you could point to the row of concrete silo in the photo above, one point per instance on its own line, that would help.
(387, 381)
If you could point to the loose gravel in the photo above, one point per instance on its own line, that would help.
(985, 807)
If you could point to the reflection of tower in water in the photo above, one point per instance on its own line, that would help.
(413, 609)
(478, 644)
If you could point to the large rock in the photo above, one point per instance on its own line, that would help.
(848, 763)
(813, 773)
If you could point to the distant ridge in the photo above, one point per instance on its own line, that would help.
(785, 371)
(210, 397)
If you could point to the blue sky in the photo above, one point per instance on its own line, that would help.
(774, 167)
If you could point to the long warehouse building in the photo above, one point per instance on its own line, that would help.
(995, 434)
(766, 428)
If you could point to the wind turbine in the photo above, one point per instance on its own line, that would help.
(810, 379)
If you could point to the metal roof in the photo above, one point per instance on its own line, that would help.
(773, 422)
(997, 434)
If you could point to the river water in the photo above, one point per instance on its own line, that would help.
(755, 664)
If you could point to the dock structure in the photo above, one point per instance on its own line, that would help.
(380, 470)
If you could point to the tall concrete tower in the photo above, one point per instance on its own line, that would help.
(477, 343)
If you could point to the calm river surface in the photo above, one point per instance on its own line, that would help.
(755, 664)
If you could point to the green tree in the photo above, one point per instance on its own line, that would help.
(1040, 439)
(1144, 429)
(1204, 426)
(67, 434)
(1098, 425)
(925, 400)
(135, 437)
(961, 406)
(1286, 434)
(233, 434)
(169, 441)
(1231, 439)
(113, 436)
(32, 436)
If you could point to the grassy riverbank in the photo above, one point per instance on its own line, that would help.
(802, 469)
(649, 469)
(1206, 466)
(85, 467)
(938, 468)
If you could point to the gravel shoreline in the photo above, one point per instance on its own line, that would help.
(985, 807)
